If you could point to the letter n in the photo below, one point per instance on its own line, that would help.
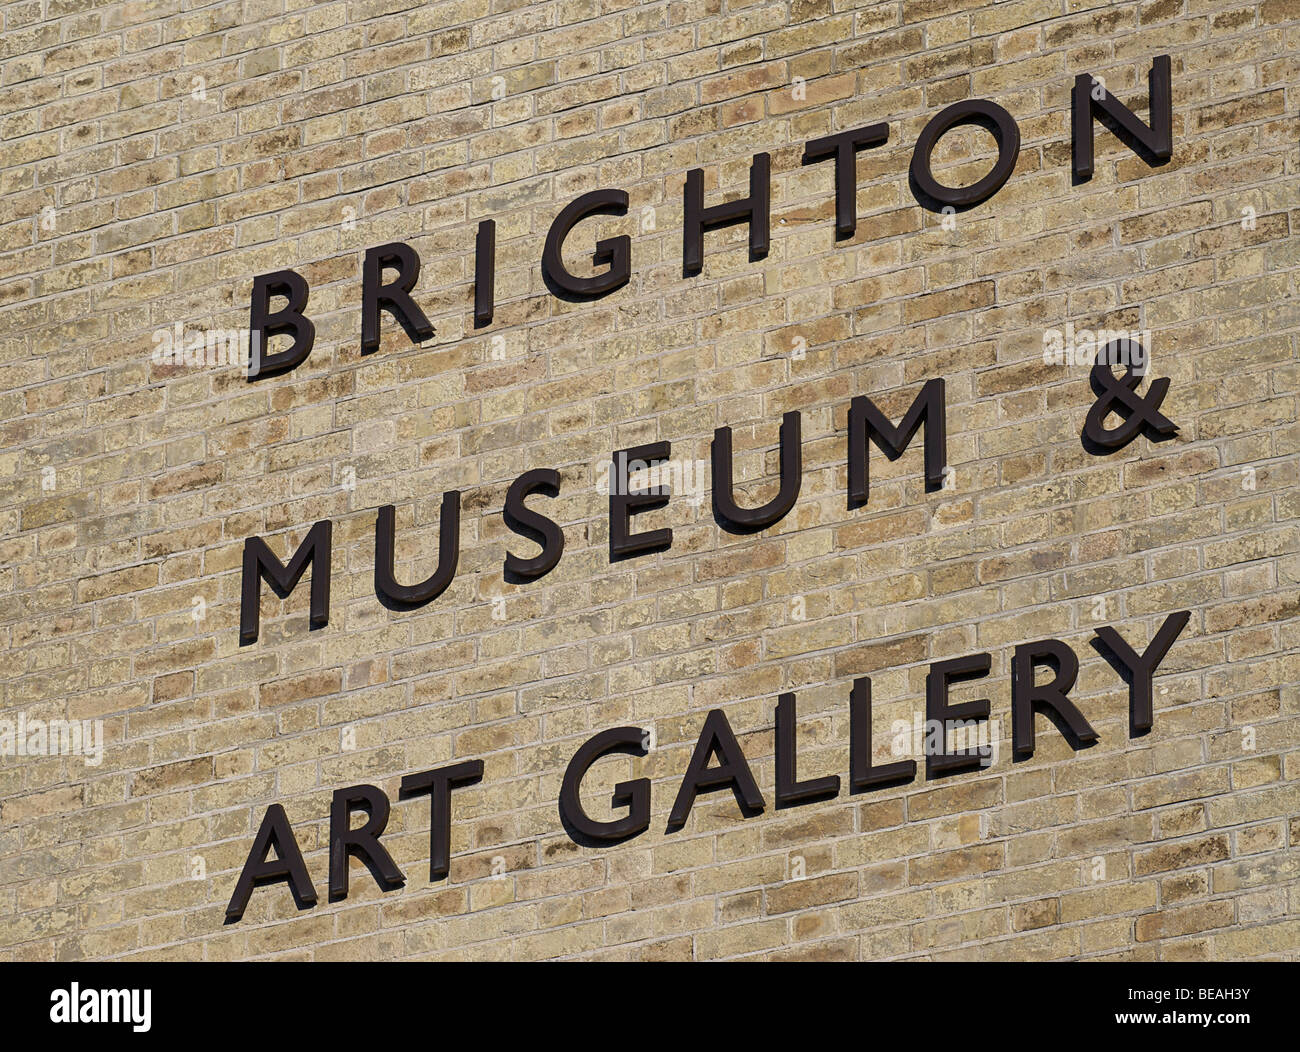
(261, 563)
(869, 424)
(1157, 139)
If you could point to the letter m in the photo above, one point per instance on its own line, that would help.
(869, 424)
(116, 1006)
(260, 563)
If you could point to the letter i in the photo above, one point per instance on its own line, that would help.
(485, 272)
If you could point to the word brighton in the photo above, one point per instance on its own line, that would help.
(1091, 102)
(717, 741)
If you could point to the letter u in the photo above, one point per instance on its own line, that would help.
(386, 585)
(748, 519)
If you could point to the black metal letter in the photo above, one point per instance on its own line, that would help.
(1143, 666)
(1025, 694)
(753, 209)
(1087, 104)
(938, 712)
(265, 323)
(789, 790)
(862, 774)
(394, 297)
(866, 422)
(634, 795)
(275, 834)
(750, 519)
(716, 738)
(533, 525)
(260, 563)
(844, 147)
(971, 111)
(485, 272)
(401, 595)
(362, 842)
(616, 251)
(624, 502)
(439, 783)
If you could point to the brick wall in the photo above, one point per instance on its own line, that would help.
(159, 155)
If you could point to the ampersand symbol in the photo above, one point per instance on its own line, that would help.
(1138, 411)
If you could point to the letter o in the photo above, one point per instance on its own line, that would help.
(971, 111)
